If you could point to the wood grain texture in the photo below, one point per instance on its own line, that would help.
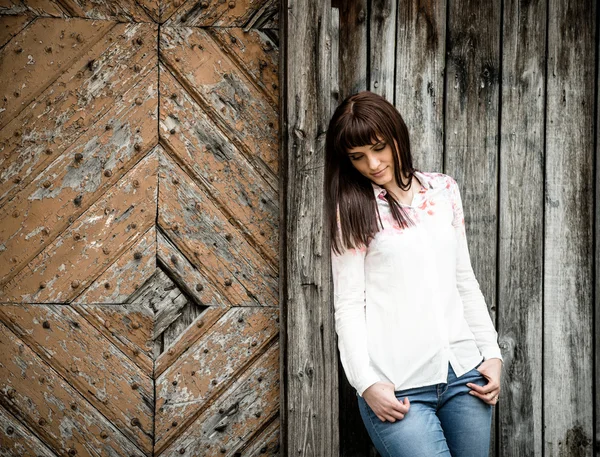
(353, 48)
(104, 232)
(18, 440)
(74, 349)
(382, 31)
(568, 265)
(521, 213)
(46, 403)
(419, 84)
(312, 399)
(231, 13)
(76, 107)
(215, 360)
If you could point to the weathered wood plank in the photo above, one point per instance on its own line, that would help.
(186, 275)
(219, 168)
(420, 66)
(127, 327)
(353, 40)
(311, 397)
(208, 367)
(75, 349)
(211, 13)
(91, 243)
(201, 232)
(64, 190)
(38, 56)
(568, 265)
(59, 116)
(237, 415)
(227, 95)
(17, 440)
(11, 26)
(56, 412)
(255, 54)
(471, 140)
(123, 277)
(521, 207)
(267, 443)
(382, 31)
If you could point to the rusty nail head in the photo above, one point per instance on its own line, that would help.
(214, 382)
(193, 373)
(138, 101)
(105, 250)
(79, 157)
(42, 380)
(136, 68)
(172, 131)
(42, 285)
(231, 4)
(175, 382)
(228, 282)
(200, 324)
(73, 406)
(204, 4)
(174, 423)
(199, 287)
(17, 179)
(135, 386)
(46, 324)
(135, 325)
(134, 225)
(171, 351)
(107, 285)
(77, 200)
(240, 319)
(139, 41)
(76, 236)
(137, 146)
(136, 352)
(72, 451)
(228, 237)
(205, 350)
(263, 450)
(48, 151)
(135, 421)
(258, 413)
(108, 173)
(233, 39)
(223, 450)
(103, 434)
(136, 183)
(182, 450)
(46, 184)
(107, 127)
(137, 255)
(259, 379)
(173, 259)
(10, 430)
(254, 343)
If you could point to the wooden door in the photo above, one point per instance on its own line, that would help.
(139, 234)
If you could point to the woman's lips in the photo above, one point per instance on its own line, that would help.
(379, 173)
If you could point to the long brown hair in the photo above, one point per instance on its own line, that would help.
(358, 121)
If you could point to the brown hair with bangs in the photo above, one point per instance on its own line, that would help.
(358, 121)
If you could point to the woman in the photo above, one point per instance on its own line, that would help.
(415, 337)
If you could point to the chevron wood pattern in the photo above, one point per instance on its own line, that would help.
(139, 215)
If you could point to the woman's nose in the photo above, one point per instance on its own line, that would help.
(373, 163)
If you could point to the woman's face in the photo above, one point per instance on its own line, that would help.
(374, 161)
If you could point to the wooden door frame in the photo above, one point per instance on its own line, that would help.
(308, 360)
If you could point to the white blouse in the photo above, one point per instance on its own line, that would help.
(410, 303)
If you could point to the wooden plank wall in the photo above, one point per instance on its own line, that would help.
(503, 97)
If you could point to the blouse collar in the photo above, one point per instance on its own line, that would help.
(423, 179)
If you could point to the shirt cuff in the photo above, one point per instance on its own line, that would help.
(365, 383)
(491, 353)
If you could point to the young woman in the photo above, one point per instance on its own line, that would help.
(415, 337)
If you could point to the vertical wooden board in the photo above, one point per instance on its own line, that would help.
(35, 58)
(226, 93)
(353, 76)
(420, 66)
(568, 313)
(44, 402)
(471, 138)
(105, 230)
(192, 221)
(75, 350)
(521, 211)
(70, 184)
(382, 31)
(353, 63)
(311, 400)
(194, 141)
(81, 97)
(208, 367)
(235, 420)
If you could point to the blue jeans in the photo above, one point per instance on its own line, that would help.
(443, 420)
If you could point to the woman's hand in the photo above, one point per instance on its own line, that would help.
(492, 370)
(382, 399)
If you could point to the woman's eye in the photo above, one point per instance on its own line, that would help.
(355, 158)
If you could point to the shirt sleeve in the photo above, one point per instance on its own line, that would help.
(348, 272)
(475, 309)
